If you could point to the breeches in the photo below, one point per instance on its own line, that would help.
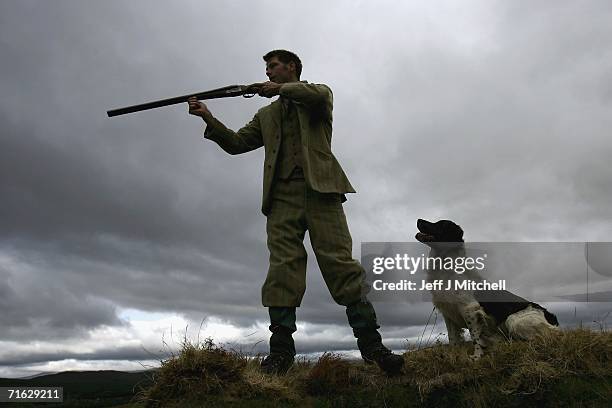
(296, 208)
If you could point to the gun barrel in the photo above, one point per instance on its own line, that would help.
(227, 91)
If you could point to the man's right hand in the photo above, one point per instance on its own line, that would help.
(197, 108)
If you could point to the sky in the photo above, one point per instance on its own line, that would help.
(121, 237)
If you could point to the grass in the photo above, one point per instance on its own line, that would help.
(568, 368)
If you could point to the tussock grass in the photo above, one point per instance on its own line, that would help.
(332, 375)
(199, 370)
(513, 368)
(547, 371)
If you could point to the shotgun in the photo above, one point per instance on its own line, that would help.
(246, 91)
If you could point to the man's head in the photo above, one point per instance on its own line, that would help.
(283, 66)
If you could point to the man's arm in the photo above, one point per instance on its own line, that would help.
(317, 97)
(308, 94)
(244, 140)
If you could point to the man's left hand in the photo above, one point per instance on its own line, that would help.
(269, 89)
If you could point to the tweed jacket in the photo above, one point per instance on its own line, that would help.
(314, 104)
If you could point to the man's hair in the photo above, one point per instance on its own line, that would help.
(285, 57)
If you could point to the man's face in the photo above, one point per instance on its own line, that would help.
(280, 72)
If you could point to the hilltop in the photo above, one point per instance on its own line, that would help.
(572, 368)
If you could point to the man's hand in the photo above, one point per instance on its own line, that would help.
(269, 89)
(197, 108)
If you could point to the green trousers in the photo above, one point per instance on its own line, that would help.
(295, 208)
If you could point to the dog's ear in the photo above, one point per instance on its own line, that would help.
(452, 232)
(460, 231)
(457, 232)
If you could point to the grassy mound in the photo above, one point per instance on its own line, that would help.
(198, 371)
(517, 372)
(568, 368)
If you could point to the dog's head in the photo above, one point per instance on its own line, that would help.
(441, 231)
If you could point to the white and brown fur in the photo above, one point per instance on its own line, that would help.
(488, 321)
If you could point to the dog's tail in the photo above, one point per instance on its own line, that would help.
(529, 323)
(550, 318)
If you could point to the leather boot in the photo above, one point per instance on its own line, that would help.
(362, 318)
(282, 347)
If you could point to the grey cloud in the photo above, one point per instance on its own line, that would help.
(125, 353)
(39, 308)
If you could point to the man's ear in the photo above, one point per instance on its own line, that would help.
(291, 67)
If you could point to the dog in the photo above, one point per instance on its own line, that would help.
(489, 316)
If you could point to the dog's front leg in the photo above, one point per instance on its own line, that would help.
(455, 333)
(475, 320)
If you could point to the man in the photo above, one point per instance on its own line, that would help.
(303, 189)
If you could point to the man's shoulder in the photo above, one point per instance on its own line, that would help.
(312, 84)
(309, 93)
(324, 86)
(272, 107)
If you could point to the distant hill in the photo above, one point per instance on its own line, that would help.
(87, 388)
(29, 377)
